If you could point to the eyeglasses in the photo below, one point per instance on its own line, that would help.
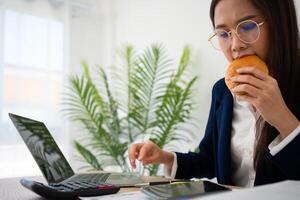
(247, 31)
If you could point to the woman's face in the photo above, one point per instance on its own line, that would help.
(228, 14)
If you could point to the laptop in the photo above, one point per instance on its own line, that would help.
(52, 162)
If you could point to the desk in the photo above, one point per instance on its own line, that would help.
(11, 189)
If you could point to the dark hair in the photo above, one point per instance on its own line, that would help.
(283, 62)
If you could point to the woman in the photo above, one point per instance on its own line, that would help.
(250, 139)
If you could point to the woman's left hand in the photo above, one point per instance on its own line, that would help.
(262, 91)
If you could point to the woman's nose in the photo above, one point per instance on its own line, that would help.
(236, 43)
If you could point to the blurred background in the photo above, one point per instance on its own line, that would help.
(43, 41)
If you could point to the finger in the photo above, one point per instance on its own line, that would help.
(254, 71)
(144, 151)
(246, 89)
(248, 79)
(133, 153)
(134, 150)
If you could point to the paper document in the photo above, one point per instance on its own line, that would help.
(277, 191)
(122, 196)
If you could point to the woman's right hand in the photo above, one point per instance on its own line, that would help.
(149, 153)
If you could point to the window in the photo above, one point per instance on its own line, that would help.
(31, 82)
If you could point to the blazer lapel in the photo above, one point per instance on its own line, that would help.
(224, 116)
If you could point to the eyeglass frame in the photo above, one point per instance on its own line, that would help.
(235, 31)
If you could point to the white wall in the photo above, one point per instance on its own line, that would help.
(89, 33)
(297, 3)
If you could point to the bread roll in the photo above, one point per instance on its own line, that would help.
(246, 61)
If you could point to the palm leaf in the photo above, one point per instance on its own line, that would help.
(114, 124)
(174, 109)
(143, 82)
(88, 156)
(84, 108)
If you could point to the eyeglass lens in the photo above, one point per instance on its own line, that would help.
(247, 32)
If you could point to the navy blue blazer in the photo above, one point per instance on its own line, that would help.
(214, 160)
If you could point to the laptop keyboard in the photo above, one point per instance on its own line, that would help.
(90, 178)
(83, 182)
(77, 186)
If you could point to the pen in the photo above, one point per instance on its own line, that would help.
(152, 183)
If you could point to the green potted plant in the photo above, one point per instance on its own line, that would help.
(153, 100)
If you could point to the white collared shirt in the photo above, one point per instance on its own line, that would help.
(243, 144)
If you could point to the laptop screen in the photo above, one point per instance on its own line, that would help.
(43, 148)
